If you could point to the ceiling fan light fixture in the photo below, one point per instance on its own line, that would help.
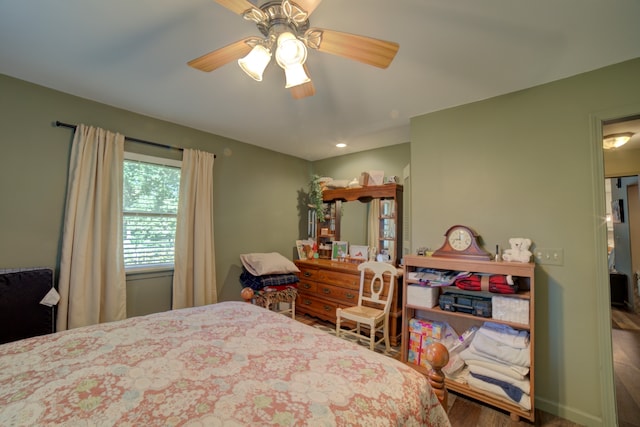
(616, 140)
(255, 62)
(295, 76)
(290, 51)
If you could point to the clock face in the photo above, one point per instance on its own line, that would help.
(460, 239)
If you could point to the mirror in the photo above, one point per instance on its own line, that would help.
(354, 223)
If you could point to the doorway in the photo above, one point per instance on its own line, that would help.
(621, 170)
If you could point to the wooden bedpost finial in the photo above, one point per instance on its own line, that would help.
(437, 356)
(246, 294)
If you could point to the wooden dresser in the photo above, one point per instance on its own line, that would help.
(326, 285)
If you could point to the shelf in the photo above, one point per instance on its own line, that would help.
(438, 311)
(364, 194)
(491, 399)
(494, 267)
(520, 294)
(460, 321)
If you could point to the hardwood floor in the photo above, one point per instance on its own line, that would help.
(626, 363)
(465, 412)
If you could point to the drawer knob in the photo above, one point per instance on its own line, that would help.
(306, 302)
(326, 291)
(307, 274)
(306, 286)
(350, 296)
(327, 308)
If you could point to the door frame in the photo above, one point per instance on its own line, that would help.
(603, 309)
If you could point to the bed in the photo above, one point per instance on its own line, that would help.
(228, 364)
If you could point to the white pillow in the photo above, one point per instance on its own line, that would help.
(260, 264)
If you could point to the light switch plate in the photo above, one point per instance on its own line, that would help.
(551, 256)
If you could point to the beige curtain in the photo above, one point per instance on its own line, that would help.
(194, 277)
(374, 225)
(92, 282)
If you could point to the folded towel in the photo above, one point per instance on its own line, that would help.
(505, 334)
(473, 357)
(522, 384)
(501, 352)
(524, 401)
(513, 392)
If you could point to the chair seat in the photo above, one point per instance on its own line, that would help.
(361, 313)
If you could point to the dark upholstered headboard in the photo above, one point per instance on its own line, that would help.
(21, 314)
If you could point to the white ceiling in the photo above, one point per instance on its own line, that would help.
(133, 55)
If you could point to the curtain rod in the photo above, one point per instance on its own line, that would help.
(157, 144)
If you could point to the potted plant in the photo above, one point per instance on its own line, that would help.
(315, 196)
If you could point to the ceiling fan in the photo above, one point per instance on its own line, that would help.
(287, 34)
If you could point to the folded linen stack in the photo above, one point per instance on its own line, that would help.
(499, 361)
(514, 310)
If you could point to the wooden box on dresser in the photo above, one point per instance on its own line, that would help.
(326, 285)
(460, 322)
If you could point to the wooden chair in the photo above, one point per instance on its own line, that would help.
(373, 306)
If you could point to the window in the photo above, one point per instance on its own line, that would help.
(150, 205)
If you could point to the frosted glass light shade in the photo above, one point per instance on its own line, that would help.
(290, 50)
(616, 140)
(295, 76)
(255, 62)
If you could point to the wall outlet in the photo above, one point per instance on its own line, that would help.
(551, 256)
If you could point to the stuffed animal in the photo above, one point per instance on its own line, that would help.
(519, 251)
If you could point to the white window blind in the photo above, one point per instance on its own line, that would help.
(150, 208)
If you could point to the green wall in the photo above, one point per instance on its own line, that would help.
(529, 164)
(255, 201)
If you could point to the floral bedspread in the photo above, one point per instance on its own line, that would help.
(227, 364)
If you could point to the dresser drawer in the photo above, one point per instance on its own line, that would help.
(307, 273)
(344, 295)
(346, 280)
(305, 285)
(316, 307)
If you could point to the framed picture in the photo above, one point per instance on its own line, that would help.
(617, 211)
(339, 250)
(305, 249)
(358, 251)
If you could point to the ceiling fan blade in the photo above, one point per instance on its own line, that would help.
(308, 5)
(236, 6)
(376, 52)
(218, 58)
(303, 90)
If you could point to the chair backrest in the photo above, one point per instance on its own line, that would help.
(380, 297)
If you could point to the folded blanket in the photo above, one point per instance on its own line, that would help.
(500, 351)
(269, 280)
(522, 384)
(524, 401)
(512, 391)
(473, 358)
(496, 283)
(460, 376)
(505, 334)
